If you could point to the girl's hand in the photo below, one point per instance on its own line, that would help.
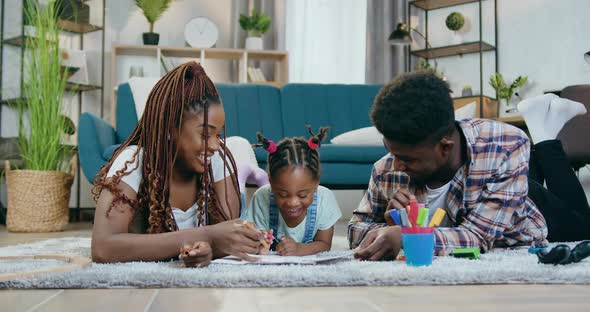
(287, 247)
(235, 238)
(197, 255)
(266, 242)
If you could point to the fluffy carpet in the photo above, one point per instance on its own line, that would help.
(506, 266)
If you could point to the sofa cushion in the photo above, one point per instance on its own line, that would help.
(344, 175)
(108, 152)
(126, 115)
(341, 107)
(334, 153)
(362, 136)
(250, 108)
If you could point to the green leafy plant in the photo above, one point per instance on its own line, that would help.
(153, 10)
(455, 21)
(256, 24)
(467, 87)
(40, 142)
(425, 65)
(503, 90)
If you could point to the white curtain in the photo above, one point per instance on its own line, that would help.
(326, 40)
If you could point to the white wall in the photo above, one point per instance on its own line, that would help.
(124, 25)
(542, 39)
(545, 40)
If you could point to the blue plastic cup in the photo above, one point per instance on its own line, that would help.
(418, 248)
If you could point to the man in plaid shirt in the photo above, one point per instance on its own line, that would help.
(476, 170)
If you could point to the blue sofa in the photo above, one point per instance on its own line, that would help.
(277, 112)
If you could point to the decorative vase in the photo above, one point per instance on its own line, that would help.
(467, 92)
(456, 38)
(254, 43)
(509, 108)
(151, 38)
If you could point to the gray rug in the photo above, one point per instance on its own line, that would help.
(500, 267)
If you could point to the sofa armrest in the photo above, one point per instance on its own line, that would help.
(94, 136)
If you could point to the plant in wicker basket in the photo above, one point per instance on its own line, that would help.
(38, 195)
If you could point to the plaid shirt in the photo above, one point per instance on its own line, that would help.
(487, 203)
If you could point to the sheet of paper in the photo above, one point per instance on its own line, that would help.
(276, 259)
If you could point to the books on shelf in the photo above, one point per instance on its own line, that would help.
(166, 63)
(255, 74)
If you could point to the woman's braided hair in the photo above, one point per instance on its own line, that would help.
(184, 89)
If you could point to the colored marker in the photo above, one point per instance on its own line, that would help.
(405, 221)
(422, 217)
(395, 216)
(414, 209)
(437, 218)
(469, 253)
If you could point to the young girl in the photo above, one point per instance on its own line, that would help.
(300, 213)
(169, 184)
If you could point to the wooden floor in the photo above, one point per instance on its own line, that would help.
(559, 298)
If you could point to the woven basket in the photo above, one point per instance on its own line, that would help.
(38, 201)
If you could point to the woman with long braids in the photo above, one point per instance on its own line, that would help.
(171, 184)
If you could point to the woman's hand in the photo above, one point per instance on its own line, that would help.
(236, 239)
(197, 255)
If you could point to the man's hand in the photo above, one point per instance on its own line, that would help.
(287, 247)
(400, 200)
(380, 244)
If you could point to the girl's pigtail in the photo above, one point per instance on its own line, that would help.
(316, 139)
(268, 145)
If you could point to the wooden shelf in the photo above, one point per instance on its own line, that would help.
(76, 87)
(135, 50)
(214, 53)
(516, 121)
(11, 102)
(65, 25)
(487, 109)
(70, 86)
(241, 57)
(15, 41)
(473, 97)
(78, 28)
(267, 55)
(454, 50)
(438, 4)
(277, 84)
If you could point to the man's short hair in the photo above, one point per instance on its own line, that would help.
(414, 108)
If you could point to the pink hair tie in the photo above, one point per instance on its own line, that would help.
(272, 147)
(312, 144)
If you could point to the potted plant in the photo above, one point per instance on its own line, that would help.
(455, 21)
(425, 65)
(467, 91)
(38, 195)
(152, 10)
(256, 25)
(505, 91)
